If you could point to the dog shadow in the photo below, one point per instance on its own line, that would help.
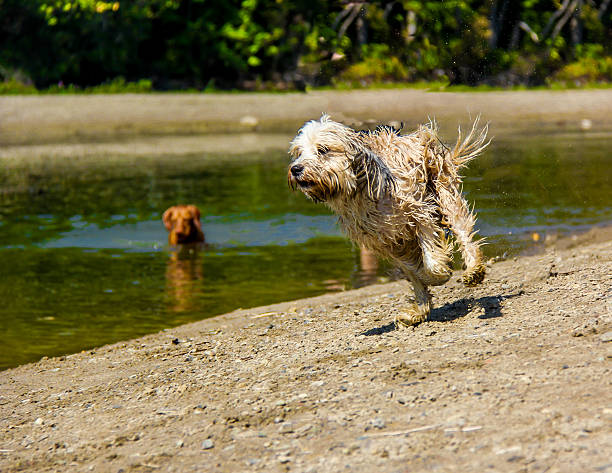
(490, 307)
(380, 330)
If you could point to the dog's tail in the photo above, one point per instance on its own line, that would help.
(472, 145)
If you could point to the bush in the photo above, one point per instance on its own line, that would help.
(14, 87)
(378, 65)
(593, 66)
(119, 85)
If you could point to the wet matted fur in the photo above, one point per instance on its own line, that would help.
(397, 195)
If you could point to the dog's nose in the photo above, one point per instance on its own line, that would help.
(296, 169)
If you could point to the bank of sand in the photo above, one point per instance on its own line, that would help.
(511, 376)
(26, 120)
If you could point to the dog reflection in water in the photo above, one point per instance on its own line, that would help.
(366, 274)
(184, 272)
(368, 268)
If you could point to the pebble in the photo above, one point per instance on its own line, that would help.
(378, 423)
(207, 444)
(510, 450)
(606, 337)
(304, 429)
(586, 124)
(286, 428)
(284, 459)
(249, 120)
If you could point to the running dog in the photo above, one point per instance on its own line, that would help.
(396, 195)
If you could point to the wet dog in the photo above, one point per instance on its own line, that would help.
(396, 195)
(183, 223)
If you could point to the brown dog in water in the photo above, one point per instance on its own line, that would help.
(183, 223)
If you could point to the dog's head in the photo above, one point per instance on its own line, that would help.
(183, 223)
(331, 160)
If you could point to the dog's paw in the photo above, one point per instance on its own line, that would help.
(474, 276)
(410, 317)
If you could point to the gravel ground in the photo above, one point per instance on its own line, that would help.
(511, 376)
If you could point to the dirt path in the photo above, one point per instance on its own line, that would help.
(512, 376)
(78, 118)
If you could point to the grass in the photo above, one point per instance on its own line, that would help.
(144, 86)
(117, 86)
(442, 86)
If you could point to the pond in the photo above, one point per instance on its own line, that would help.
(86, 260)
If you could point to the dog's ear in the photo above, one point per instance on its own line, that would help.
(372, 174)
(167, 218)
(196, 219)
(194, 211)
(294, 150)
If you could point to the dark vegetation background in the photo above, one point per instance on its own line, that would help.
(291, 44)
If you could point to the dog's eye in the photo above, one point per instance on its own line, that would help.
(321, 150)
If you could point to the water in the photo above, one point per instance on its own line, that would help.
(85, 258)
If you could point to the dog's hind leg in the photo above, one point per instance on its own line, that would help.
(460, 220)
(419, 311)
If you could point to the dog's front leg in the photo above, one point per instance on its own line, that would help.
(461, 222)
(419, 311)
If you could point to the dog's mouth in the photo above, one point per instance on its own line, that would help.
(304, 183)
(295, 182)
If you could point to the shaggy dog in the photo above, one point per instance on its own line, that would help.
(397, 195)
(183, 223)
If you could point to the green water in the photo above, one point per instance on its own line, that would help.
(85, 258)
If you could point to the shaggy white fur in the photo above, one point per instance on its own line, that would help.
(397, 195)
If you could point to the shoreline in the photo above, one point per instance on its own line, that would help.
(35, 120)
(510, 376)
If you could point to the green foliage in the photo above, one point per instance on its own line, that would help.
(378, 65)
(592, 66)
(215, 44)
(15, 87)
(116, 86)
